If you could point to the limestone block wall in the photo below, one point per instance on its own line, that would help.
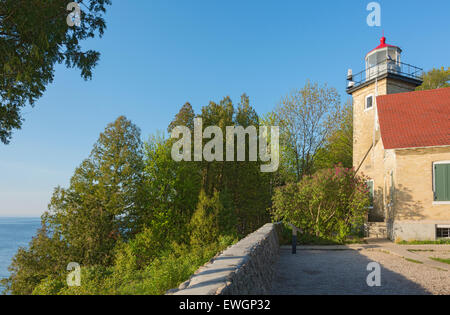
(379, 164)
(413, 230)
(414, 185)
(245, 268)
(415, 215)
(363, 121)
(396, 86)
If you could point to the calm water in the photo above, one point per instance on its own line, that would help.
(14, 233)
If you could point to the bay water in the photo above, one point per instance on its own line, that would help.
(14, 233)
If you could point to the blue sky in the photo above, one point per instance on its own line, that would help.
(158, 54)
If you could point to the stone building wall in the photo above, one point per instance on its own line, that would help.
(379, 164)
(415, 212)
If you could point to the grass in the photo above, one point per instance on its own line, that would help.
(420, 250)
(413, 260)
(438, 242)
(355, 240)
(442, 260)
(312, 240)
(285, 237)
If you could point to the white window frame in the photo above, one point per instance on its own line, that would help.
(434, 184)
(365, 102)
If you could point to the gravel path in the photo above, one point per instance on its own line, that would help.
(344, 272)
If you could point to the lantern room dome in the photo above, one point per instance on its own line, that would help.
(383, 45)
(384, 61)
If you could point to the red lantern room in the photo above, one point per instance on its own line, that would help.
(384, 62)
(382, 59)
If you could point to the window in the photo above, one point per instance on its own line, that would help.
(369, 102)
(443, 231)
(441, 181)
(369, 184)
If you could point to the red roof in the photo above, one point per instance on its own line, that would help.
(382, 45)
(415, 119)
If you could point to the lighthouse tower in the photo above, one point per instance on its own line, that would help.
(384, 73)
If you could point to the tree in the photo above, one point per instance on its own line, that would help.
(287, 171)
(86, 220)
(205, 223)
(130, 215)
(105, 196)
(34, 36)
(185, 117)
(435, 79)
(242, 183)
(46, 255)
(330, 204)
(244, 191)
(338, 147)
(172, 190)
(306, 118)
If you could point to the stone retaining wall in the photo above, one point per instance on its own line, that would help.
(245, 268)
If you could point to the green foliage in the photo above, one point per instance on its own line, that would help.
(306, 118)
(285, 238)
(169, 270)
(172, 190)
(331, 204)
(139, 251)
(34, 36)
(172, 267)
(205, 221)
(241, 184)
(105, 194)
(44, 257)
(413, 260)
(139, 222)
(435, 79)
(94, 281)
(210, 220)
(49, 286)
(185, 117)
(287, 171)
(338, 147)
(86, 220)
(166, 270)
(415, 242)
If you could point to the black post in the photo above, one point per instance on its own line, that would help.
(294, 244)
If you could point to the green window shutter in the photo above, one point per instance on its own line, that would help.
(442, 182)
(447, 185)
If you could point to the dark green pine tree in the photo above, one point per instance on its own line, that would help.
(185, 117)
(85, 221)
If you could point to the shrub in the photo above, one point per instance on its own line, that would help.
(330, 204)
(49, 286)
(211, 220)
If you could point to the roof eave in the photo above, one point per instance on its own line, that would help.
(422, 147)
